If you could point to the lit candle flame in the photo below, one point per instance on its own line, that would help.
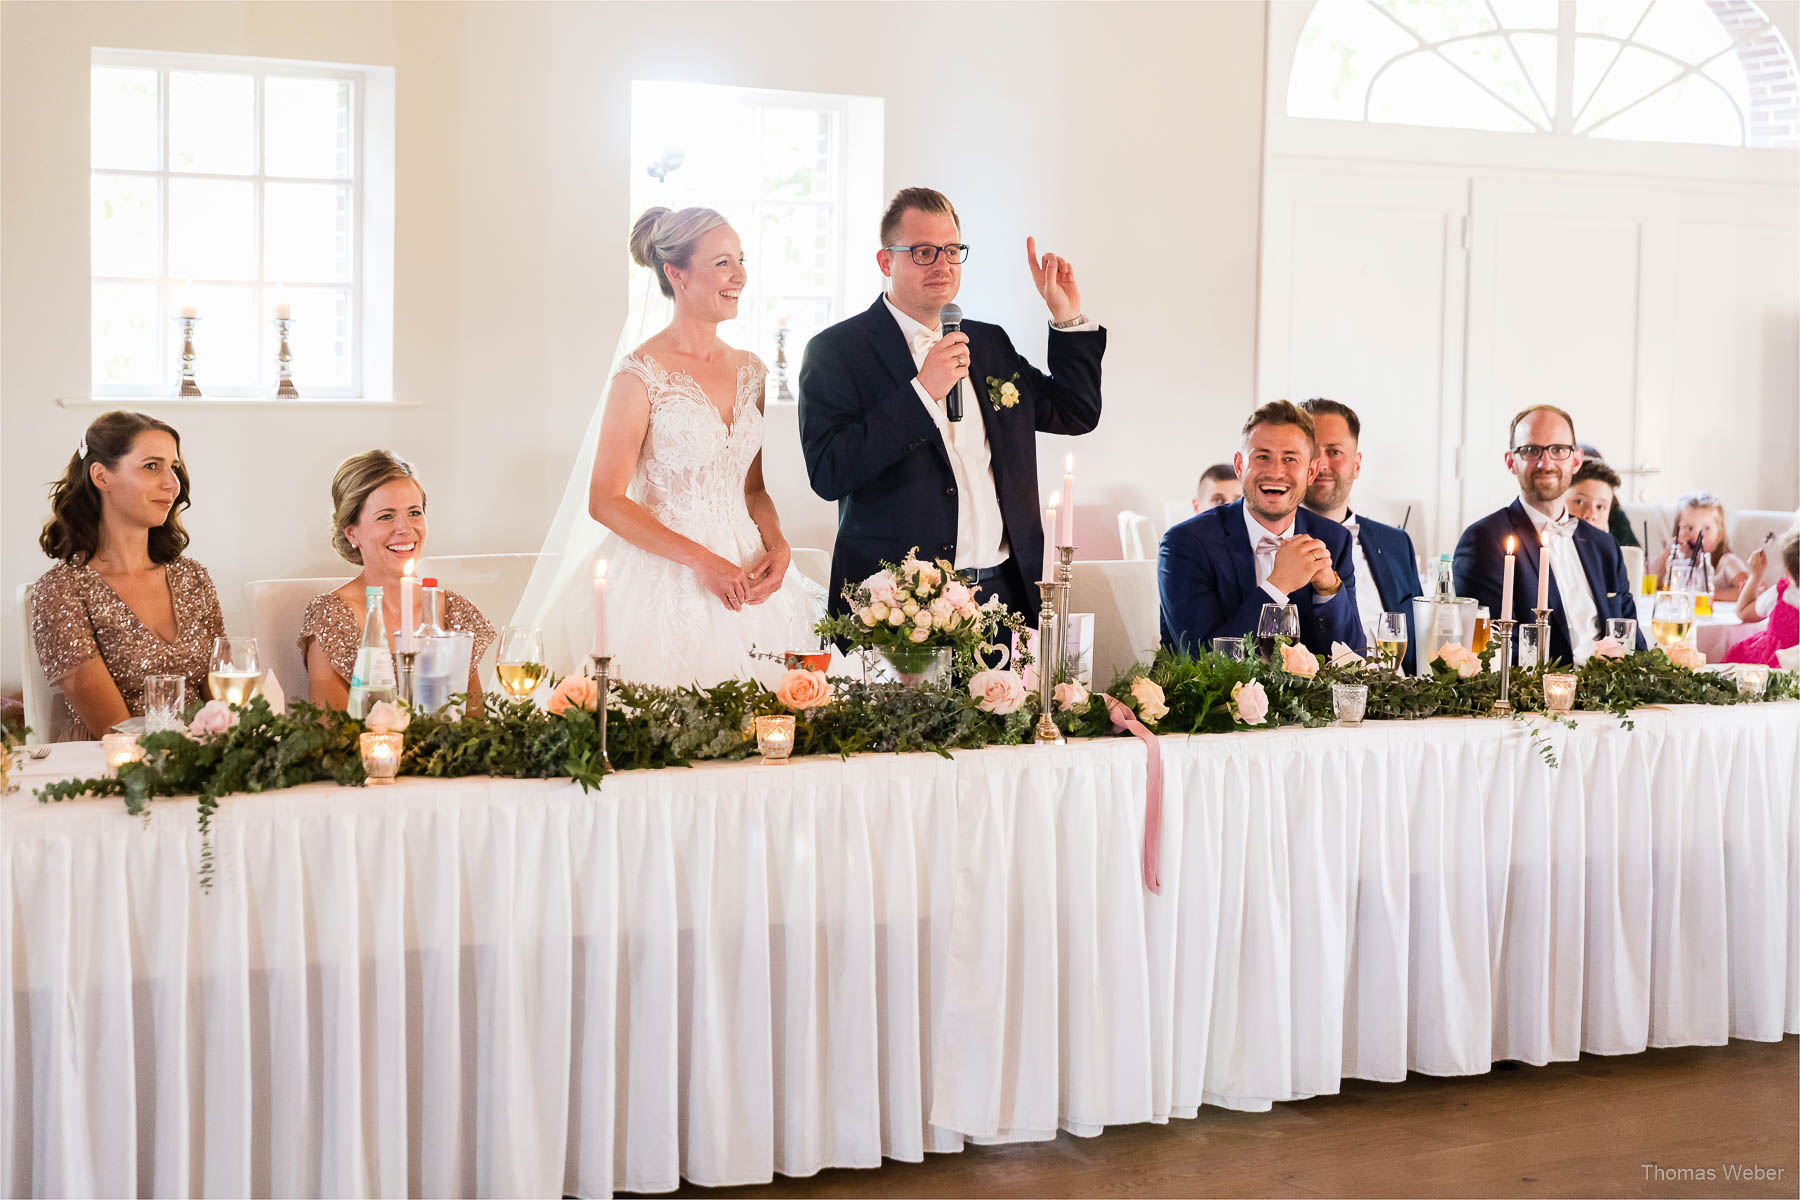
(1511, 543)
(600, 571)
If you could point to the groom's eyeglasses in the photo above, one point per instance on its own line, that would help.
(925, 255)
(1557, 452)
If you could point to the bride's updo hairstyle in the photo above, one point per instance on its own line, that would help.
(664, 237)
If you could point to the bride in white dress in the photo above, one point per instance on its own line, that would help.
(699, 571)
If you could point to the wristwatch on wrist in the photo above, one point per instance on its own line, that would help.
(1337, 584)
(1071, 323)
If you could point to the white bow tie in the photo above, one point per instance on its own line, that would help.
(924, 339)
(1564, 528)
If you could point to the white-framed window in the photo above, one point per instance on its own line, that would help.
(798, 174)
(1712, 72)
(230, 186)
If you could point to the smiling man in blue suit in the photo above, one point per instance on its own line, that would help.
(1387, 577)
(1218, 569)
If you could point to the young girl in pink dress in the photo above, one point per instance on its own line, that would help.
(1780, 604)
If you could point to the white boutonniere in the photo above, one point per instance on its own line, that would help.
(1003, 393)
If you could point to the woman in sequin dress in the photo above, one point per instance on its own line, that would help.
(378, 522)
(122, 602)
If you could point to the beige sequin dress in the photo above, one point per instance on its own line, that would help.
(338, 628)
(75, 615)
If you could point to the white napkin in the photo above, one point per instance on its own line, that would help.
(271, 690)
(1789, 659)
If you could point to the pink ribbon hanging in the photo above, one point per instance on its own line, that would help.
(1123, 720)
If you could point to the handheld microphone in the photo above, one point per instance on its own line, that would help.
(950, 317)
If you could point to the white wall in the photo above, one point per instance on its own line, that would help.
(1126, 136)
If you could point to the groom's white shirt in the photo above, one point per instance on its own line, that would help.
(980, 529)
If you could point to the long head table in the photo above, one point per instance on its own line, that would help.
(518, 988)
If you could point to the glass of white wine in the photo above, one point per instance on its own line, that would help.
(235, 672)
(1672, 618)
(1390, 638)
(520, 664)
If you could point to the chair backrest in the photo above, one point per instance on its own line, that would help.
(1749, 526)
(1137, 537)
(1176, 511)
(39, 693)
(1122, 596)
(814, 564)
(276, 606)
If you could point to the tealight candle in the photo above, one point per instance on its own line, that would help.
(189, 311)
(1559, 693)
(1752, 678)
(1349, 701)
(381, 755)
(119, 749)
(284, 311)
(775, 738)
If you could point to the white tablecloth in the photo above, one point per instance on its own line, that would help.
(517, 988)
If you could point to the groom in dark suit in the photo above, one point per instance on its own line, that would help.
(1217, 570)
(876, 414)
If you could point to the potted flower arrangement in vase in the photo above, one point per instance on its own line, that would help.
(921, 618)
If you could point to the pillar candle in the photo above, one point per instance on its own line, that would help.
(1506, 583)
(284, 311)
(408, 634)
(1065, 530)
(1544, 567)
(600, 648)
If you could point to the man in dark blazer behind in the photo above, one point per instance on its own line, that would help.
(1217, 570)
(1387, 577)
(875, 407)
(1587, 573)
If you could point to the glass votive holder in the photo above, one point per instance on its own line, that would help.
(1752, 678)
(1230, 647)
(1349, 701)
(118, 749)
(775, 738)
(1559, 694)
(165, 696)
(381, 756)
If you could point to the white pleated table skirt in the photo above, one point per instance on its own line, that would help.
(517, 988)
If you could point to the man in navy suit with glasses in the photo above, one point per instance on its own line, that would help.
(1588, 586)
(1387, 576)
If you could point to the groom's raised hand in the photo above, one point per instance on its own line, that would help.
(1055, 281)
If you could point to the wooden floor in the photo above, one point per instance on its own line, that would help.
(1585, 1128)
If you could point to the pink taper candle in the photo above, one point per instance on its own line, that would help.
(1506, 582)
(407, 582)
(1050, 536)
(1544, 567)
(600, 647)
(1065, 530)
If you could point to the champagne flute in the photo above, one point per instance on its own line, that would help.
(1672, 618)
(1276, 621)
(519, 663)
(235, 672)
(1390, 638)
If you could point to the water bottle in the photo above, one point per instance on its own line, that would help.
(373, 679)
(431, 679)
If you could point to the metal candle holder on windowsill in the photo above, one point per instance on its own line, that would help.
(188, 385)
(601, 666)
(284, 362)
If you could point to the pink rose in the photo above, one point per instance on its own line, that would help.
(800, 689)
(918, 634)
(1608, 647)
(1071, 695)
(1686, 657)
(575, 691)
(998, 692)
(214, 718)
(881, 587)
(1298, 660)
(1249, 703)
(957, 594)
(1149, 696)
(385, 716)
(1465, 662)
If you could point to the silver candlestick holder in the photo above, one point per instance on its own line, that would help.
(284, 362)
(781, 366)
(1503, 632)
(601, 666)
(188, 386)
(1046, 733)
(1065, 577)
(1543, 637)
(407, 683)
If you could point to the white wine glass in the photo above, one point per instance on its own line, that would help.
(519, 663)
(1390, 638)
(234, 674)
(1672, 618)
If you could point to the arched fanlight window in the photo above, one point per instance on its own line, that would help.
(1707, 71)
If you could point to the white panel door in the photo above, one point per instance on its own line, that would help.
(1362, 302)
(1563, 278)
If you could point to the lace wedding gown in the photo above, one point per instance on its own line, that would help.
(663, 626)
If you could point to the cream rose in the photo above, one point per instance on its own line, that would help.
(1465, 662)
(1249, 703)
(998, 692)
(1070, 696)
(1686, 657)
(1608, 647)
(1149, 696)
(385, 716)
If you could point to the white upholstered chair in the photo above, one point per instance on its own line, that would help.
(39, 693)
(1121, 593)
(1137, 536)
(814, 564)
